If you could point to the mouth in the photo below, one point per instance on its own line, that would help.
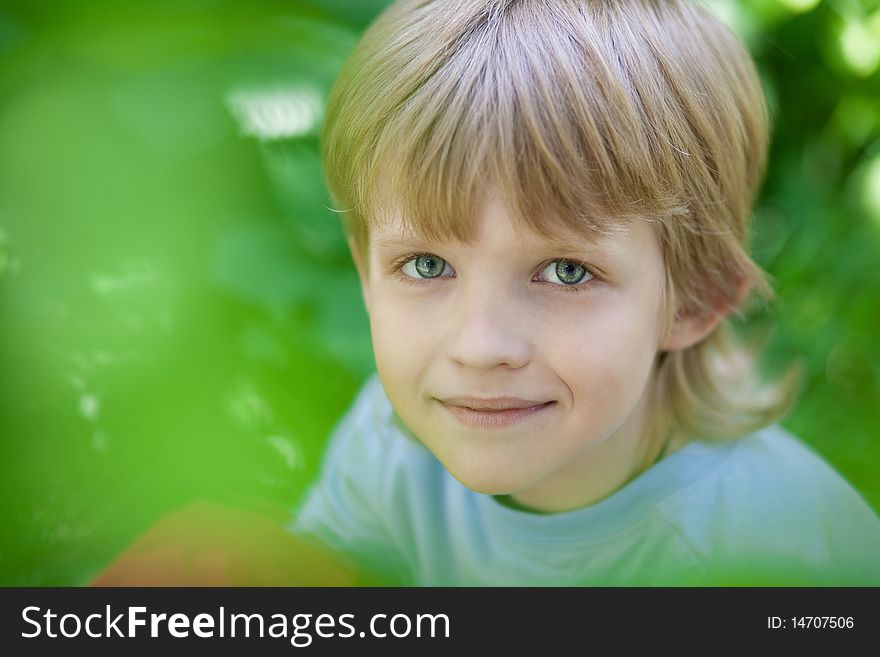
(496, 412)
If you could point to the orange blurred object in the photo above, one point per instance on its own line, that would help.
(208, 544)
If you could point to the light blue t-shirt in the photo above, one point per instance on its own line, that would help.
(760, 510)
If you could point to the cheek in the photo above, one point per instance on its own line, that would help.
(605, 359)
(402, 340)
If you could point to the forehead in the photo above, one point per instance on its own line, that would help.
(497, 230)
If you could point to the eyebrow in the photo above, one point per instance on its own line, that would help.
(572, 243)
(402, 241)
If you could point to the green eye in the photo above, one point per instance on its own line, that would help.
(425, 266)
(569, 272)
(566, 272)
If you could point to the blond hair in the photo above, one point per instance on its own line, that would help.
(586, 115)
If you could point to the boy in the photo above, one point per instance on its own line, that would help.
(547, 203)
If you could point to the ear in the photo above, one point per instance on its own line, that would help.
(361, 267)
(690, 329)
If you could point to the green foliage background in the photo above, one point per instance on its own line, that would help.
(178, 314)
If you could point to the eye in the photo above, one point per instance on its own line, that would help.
(425, 265)
(566, 272)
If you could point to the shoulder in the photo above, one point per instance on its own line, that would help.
(784, 474)
(773, 511)
(370, 429)
(355, 505)
(367, 445)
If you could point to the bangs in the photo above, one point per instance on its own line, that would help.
(569, 113)
(582, 115)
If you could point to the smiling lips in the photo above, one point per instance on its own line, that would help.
(492, 412)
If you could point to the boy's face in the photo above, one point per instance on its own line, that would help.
(568, 335)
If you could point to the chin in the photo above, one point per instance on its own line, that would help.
(487, 482)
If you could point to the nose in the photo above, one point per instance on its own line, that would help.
(489, 330)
